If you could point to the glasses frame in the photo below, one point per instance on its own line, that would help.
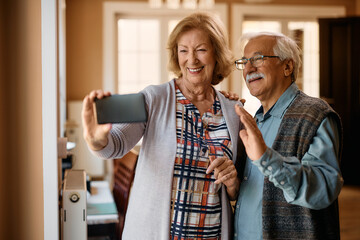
(241, 63)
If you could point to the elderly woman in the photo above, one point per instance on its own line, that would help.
(185, 175)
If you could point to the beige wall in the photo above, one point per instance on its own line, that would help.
(83, 47)
(84, 40)
(21, 181)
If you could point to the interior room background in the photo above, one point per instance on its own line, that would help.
(27, 174)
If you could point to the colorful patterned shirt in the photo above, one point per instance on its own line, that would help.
(195, 200)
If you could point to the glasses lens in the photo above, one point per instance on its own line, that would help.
(257, 60)
(240, 64)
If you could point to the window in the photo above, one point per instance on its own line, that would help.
(142, 56)
(129, 70)
(138, 54)
(307, 34)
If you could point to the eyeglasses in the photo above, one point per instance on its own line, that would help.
(256, 61)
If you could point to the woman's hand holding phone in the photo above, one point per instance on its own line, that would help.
(94, 134)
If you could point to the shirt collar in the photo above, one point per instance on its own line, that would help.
(281, 105)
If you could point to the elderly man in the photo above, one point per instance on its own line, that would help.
(291, 179)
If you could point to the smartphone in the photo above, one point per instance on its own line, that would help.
(121, 108)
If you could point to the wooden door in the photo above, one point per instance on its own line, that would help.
(339, 85)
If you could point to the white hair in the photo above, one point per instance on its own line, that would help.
(285, 48)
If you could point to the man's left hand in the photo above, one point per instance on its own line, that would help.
(251, 136)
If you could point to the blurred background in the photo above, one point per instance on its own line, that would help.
(54, 52)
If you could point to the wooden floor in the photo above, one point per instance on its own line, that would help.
(349, 207)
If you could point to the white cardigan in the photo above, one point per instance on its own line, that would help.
(148, 213)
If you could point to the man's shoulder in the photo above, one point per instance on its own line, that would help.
(304, 102)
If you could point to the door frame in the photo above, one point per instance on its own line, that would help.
(50, 117)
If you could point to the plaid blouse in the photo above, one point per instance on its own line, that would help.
(195, 198)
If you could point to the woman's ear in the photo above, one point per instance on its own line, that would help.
(289, 67)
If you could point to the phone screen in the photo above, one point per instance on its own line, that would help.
(121, 108)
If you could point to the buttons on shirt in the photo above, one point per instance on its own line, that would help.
(269, 168)
(263, 163)
(282, 182)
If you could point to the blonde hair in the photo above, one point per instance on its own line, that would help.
(213, 26)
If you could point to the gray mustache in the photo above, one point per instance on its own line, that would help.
(253, 76)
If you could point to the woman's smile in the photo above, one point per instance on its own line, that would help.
(195, 70)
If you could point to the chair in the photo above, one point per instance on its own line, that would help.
(124, 171)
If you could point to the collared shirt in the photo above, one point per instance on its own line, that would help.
(195, 198)
(288, 173)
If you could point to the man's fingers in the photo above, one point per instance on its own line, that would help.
(249, 123)
(225, 93)
(246, 119)
(243, 135)
(230, 95)
(234, 96)
(243, 101)
(240, 111)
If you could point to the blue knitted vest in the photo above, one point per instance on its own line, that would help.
(282, 220)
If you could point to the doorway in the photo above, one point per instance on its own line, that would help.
(340, 84)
